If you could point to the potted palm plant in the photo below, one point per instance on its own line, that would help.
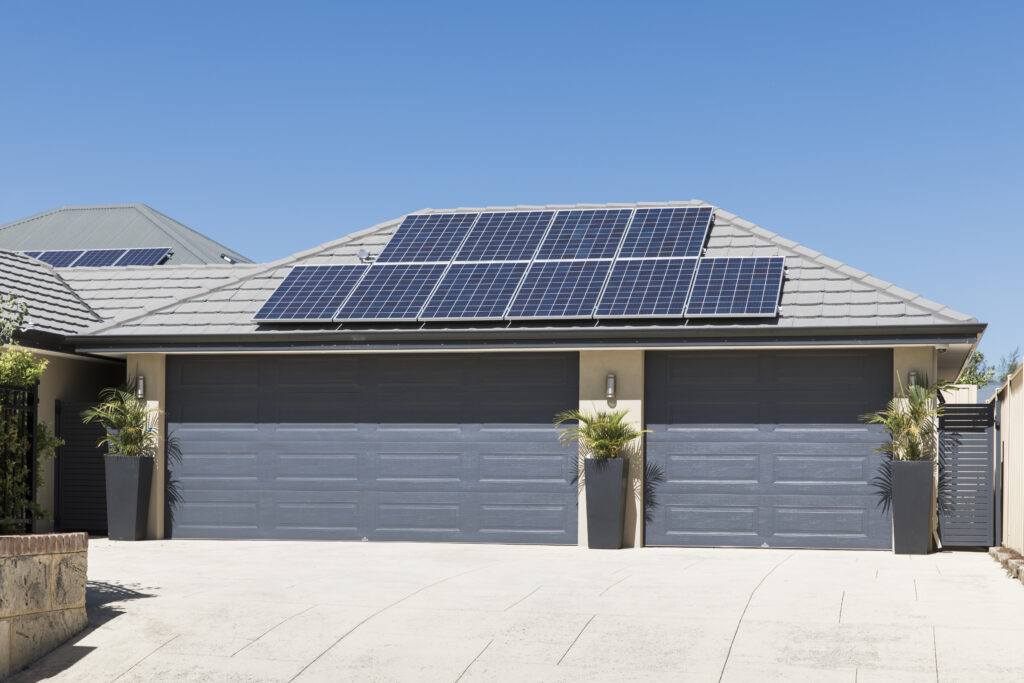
(910, 420)
(602, 438)
(131, 441)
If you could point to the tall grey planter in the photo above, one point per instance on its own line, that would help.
(128, 484)
(912, 498)
(605, 482)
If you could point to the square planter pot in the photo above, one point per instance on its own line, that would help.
(912, 498)
(128, 483)
(605, 481)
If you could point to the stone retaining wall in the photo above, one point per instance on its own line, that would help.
(42, 595)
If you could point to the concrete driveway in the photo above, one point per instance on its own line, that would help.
(280, 611)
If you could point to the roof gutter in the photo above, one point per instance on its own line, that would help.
(530, 338)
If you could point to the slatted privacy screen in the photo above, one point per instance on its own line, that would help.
(966, 466)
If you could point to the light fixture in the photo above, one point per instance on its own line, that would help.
(609, 386)
(912, 378)
(229, 259)
(140, 387)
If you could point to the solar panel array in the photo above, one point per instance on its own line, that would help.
(527, 265)
(99, 258)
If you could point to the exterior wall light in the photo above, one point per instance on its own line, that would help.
(140, 387)
(609, 386)
(912, 378)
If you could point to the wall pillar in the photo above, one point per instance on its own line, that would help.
(628, 367)
(152, 367)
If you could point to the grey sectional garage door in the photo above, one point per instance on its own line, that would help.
(453, 447)
(764, 448)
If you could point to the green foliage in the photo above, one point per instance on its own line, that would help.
(17, 487)
(977, 372)
(1008, 364)
(12, 316)
(20, 368)
(129, 422)
(602, 435)
(911, 421)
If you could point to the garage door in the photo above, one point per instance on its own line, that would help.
(764, 448)
(453, 447)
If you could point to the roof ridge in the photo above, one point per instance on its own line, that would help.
(115, 322)
(846, 270)
(195, 234)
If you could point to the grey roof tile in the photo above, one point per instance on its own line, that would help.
(53, 306)
(818, 291)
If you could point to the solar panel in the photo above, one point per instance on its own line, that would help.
(149, 256)
(427, 237)
(33, 254)
(736, 287)
(508, 236)
(391, 292)
(676, 231)
(480, 291)
(60, 258)
(590, 234)
(655, 288)
(310, 293)
(96, 258)
(559, 289)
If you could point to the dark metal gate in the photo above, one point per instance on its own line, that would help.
(966, 475)
(81, 503)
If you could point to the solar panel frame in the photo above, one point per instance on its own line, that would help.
(546, 273)
(479, 280)
(61, 258)
(144, 256)
(766, 275)
(676, 272)
(511, 235)
(370, 296)
(428, 238)
(663, 232)
(99, 258)
(584, 235)
(32, 254)
(310, 293)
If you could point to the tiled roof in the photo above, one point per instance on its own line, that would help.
(818, 292)
(113, 226)
(52, 305)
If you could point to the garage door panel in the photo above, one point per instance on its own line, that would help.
(412, 473)
(797, 476)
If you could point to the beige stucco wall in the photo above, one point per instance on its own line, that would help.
(628, 367)
(961, 393)
(67, 379)
(919, 358)
(1011, 445)
(152, 366)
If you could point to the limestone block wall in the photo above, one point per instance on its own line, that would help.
(42, 595)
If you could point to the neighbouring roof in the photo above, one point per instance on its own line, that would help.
(819, 292)
(113, 226)
(53, 306)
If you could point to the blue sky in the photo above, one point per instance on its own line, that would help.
(886, 135)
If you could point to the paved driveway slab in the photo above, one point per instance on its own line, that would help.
(306, 611)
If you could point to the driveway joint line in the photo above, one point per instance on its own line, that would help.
(564, 654)
(935, 652)
(523, 598)
(280, 623)
(739, 623)
(146, 656)
(613, 585)
(841, 601)
(478, 656)
(378, 612)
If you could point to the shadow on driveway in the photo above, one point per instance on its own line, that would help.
(101, 606)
